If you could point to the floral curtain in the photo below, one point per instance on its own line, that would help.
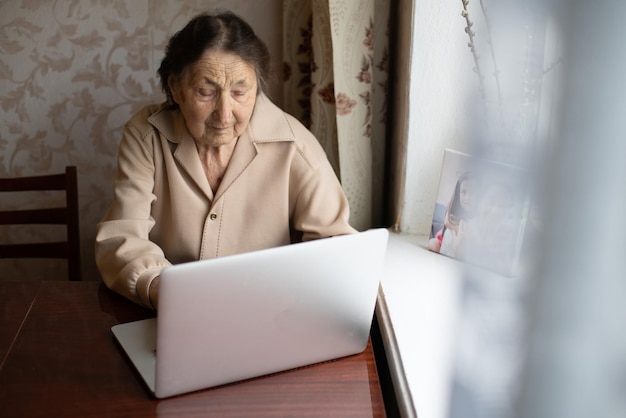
(335, 81)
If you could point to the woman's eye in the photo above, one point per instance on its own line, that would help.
(206, 92)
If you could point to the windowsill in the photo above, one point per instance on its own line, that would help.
(416, 310)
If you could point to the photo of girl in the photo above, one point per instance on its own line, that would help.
(459, 209)
(479, 213)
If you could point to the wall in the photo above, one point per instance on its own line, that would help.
(71, 74)
(495, 104)
(438, 117)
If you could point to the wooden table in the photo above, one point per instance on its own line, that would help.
(58, 358)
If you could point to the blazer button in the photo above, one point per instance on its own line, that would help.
(213, 216)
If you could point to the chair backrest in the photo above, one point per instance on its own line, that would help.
(68, 215)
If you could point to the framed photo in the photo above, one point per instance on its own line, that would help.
(480, 212)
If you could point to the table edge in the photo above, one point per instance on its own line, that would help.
(394, 360)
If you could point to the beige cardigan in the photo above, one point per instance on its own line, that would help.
(279, 188)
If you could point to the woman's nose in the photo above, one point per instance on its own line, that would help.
(223, 108)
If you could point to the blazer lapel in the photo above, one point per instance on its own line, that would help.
(268, 124)
(242, 156)
(187, 156)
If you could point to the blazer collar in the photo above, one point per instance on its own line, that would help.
(267, 124)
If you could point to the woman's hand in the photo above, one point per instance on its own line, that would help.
(153, 292)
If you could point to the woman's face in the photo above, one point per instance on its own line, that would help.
(465, 194)
(216, 96)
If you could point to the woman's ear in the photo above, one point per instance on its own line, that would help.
(174, 85)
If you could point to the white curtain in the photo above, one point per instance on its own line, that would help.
(335, 81)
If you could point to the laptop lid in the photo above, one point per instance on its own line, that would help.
(232, 318)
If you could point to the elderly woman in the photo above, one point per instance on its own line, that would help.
(216, 170)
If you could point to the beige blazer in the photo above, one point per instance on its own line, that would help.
(279, 188)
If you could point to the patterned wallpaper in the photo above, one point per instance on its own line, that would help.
(71, 74)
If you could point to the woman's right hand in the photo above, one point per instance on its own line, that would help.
(153, 292)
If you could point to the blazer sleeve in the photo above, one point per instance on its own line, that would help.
(128, 261)
(321, 208)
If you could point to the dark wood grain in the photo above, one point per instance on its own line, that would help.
(65, 363)
(15, 301)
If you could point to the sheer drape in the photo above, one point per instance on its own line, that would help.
(335, 81)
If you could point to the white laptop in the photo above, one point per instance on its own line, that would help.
(232, 318)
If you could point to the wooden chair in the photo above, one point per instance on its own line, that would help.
(68, 215)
